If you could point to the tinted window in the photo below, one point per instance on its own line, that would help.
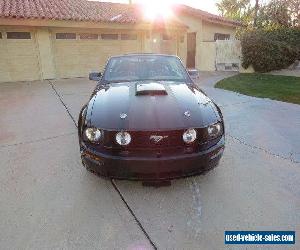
(65, 36)
(86, 36)
(18, 35)
(128, 36)
(145, 67)
(109, 36)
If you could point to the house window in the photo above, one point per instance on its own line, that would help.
(65, 36)
(86, 36)
(182, 39)
(18, 35)
(219, 36)
(128, 36)
(109, 36)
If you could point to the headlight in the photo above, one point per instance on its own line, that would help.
(214, 130)
(93, 134)
(189, 136)
(123, 138)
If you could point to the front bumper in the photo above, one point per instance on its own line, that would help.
(163, 168)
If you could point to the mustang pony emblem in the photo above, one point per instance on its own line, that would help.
(157, 138)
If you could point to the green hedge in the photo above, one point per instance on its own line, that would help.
(268, 50)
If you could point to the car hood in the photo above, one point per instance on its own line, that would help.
(180, 106)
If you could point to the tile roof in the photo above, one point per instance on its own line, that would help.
(76, 10)
(205, 15)
(85, 10)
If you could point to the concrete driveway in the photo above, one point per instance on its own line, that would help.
(48, 200)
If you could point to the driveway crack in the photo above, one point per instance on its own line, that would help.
(133, 215)
(37, 140)
(233, 104)
(62, 102)
(263, 149)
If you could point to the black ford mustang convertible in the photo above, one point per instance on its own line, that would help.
(147, 120)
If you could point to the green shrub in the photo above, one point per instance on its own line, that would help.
(268, 50)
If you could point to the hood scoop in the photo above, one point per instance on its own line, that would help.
(151, 88)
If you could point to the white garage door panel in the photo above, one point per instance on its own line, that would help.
(23, 60)
(76, 58)
(4, 73)
(19, 60)
(21, 47)
(130, 46)
(169, 47)
(67, 47)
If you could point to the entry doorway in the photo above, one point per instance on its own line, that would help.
(191, 50)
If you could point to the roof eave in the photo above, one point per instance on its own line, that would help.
(225, 23)
(67, 23)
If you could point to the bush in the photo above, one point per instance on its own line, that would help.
(268, 50)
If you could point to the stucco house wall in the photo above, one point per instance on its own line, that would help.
(209, 30)
(194, 25)
(205, 44)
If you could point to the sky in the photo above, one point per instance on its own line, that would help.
(207, 5)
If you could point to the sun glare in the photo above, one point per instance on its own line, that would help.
(155, 8)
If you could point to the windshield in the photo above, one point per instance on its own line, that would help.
(145, 67)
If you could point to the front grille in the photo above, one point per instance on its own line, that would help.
(157, 139)
(153, 139)
(141, 145)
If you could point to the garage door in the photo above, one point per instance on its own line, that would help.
(164, 43)
(77, 54)
(18, 56)
(169, 44)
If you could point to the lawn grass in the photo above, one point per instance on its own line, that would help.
(281, 88)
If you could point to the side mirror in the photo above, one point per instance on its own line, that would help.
(95, 76)
(194, 73)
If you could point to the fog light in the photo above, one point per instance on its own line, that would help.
(220, 152)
